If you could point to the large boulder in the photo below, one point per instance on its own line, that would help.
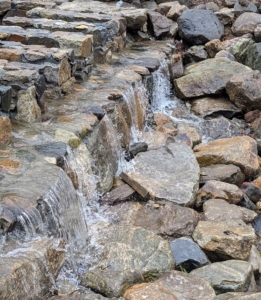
(230, 151)
(128, 255)
(198, 26)
(170, 173)
(172, 286)
(227, 276)
(246, 23)
(207, 77)
(244, 90)
(225, 240)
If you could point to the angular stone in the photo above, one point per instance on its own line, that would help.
(174, 285)
(219, 190)
(179, 174)
(227, 276)
(218, 210)
(227, 240)
(195, 54)
(225, 15)
(191, 132)
(120, 193)
(176, 10)
(198, 26)
(230, 151)
(5, 5)
(163, 8)
(225, 54)
(130, 255)
(213, 47)
(67, 137)
(255, 260)
(5, 130)
(246, 23)
(207, 77)
(246, 6)
(5, 97)
(252, 57)
(187, 254)
(225, 173)
(154, 139)
(160, 24)
(239, 296)
(23, 76)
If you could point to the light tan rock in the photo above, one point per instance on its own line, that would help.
(5, 130)
(213, 47)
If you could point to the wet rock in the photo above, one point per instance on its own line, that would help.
(177, 68)
(244, 90)
(227, 240)
(208, 106)
(219, 190)
(230, 151)
(227, 276)
(246, 23)
(207, 77)
(130, 255)
(96, 111)
(139, 69)
(191, 132)
(5, 130)
(137, 148)
(155, 139)
(172, 286)
(176, 11)
(195, 54)
(166, 219)
(255, 261)
(225, 15)
(27, 107)
(187, 254)
(160, 24)
(67, 137)
(225, 173)
(58, 150)
(24, 76)
(5, 97)
(173, 159)
(120, 193)
(218, 210)
(213, 47)
(39, 261)
(199, 26)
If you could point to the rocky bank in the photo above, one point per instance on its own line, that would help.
(130, 135)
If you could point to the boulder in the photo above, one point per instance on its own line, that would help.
(129, 256)
(219, 190)
(160, 24)
(227, 276)
(172, 286)
(218, 210)
(210, 106)
(187, 254)
(207, 77)
(225, 173)
(230, 151)
(226, 240)
(246, 23)
(5, 130)
(198, 26)
(179, 174)
(252, 57)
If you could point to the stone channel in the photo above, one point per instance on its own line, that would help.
(130, 135)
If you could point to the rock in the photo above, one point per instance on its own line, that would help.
(195, 54)
(179, 174)
(246, 23)
(174, 285)
(174, 28)
(227, 276)
(239, 47)
(120, 193)
(137, 148)
(257, 33)
(225, 15)
(239, 296)
(191, 132)
(227, 240)
(217, 210)
(187, 254)
(176, 10)
(164, 124)
(244, 89)
(225, 54)
(67, 137)
(39, 261)
(167, 219)
(5, 130)
(255, 261)
(225, 173)
(210, 106)
(219, 190)
(213, 47)
(230, 151)
(160, 24)
(129, 256)
(23, 76)
(163, 8)
(240, 9)
(252, 190)
(154, 139)
(5, 96)
(199, 26)
(27, 107)
(176, 68)
(251, 116)
(212, 6)
(253, 56)
(207, 77)
(5, 5)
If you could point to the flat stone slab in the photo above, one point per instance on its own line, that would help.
(170, 173)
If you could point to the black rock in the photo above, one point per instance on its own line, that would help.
(198, 26)
(257, 225)
(137, 148)
(252, 191)
(97, 111)
(5, 97)
(187, 254)
(247, 203)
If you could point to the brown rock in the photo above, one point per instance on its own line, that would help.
(176, 10)
(240, 151)
(120, 193)
(252, 116)
(154, 139)
(213, 47)
(139, 69)
(191, 132)
(5, 130)
(10, 166)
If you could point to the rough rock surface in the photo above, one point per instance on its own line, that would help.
(246, 23)
(198, 26)
(5, 130)
(178, 170)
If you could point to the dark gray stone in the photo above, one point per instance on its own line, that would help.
(5, 97)
(137, 148)
(160, 24)
(187, 254)
(97, 111)
(198, 26)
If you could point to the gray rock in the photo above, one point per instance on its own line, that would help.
(246, 23)
(199, 26)
(227, 276)
(160, 24)
(121, 193)
(212, 6)
(240, 9)
(176, 10)
(187, 254)
(255, 261)
(257, 33)
(225, 16)
(137, 148)
(170, 174)
(195, 54)
(5, 5)
(225, 54)
(239, 296)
